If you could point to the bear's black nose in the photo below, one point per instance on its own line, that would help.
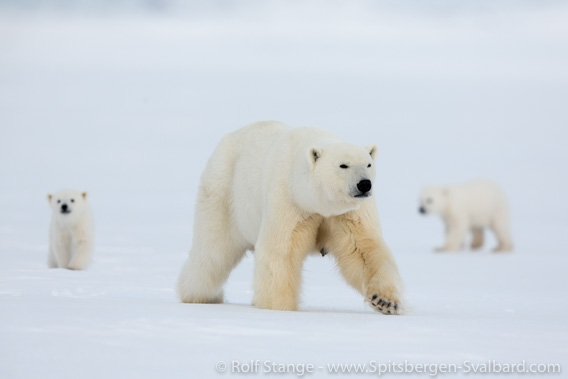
(64, 207)
(422, 210)
(364, 185)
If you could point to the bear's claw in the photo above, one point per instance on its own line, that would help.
(385, 306)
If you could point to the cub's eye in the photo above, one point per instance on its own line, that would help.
(72, 200)
(369, 165)
(58, 201)
(344, 166)
(429, 200)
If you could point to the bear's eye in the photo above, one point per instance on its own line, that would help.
(369, 165)
(344, 166)
(429, 200)
(72, 200)
(58, 201)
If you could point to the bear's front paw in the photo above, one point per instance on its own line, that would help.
(388, 305)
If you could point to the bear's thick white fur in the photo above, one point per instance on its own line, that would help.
(71, 230)
(285, 192)
(472, 206)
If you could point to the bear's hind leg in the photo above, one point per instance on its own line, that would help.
(206, 270)
(216, 249)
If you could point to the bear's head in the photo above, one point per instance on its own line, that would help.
(342, 176)
(433, 200)
(68, 205)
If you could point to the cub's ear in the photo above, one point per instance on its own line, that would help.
(445, 191)
(373, 150)
(313, 155)
(84, 194)
(49, 197)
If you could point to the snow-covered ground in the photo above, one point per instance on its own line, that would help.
(128, 104)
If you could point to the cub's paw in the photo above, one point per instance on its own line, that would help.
(75, 267)
(445, 249)
(503, 249)
(476, 245)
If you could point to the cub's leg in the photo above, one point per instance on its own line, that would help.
(279, 257)
(363, 258)
(456, 230)
(501, 228)
(477, 240)
(60, 249)
(81, 252)
(51, 261)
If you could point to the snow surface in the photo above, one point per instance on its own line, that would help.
(128, 104)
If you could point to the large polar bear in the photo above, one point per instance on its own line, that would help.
(71, 230)
(283, 193)
(471, 206)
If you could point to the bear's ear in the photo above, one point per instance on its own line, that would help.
(445, 191)
(313, 155)
(49, 197)
(373, 150)
(84, 194)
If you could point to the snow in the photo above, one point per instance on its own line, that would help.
(129, 104)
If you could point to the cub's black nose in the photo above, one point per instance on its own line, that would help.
(364, 185)
(422, 210)
(64, 207)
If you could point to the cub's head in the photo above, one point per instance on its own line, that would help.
(343, 174)
(67, 204)
(433, 200)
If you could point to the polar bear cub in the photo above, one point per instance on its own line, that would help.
(471, 206)
(283, 193)
(71, 230)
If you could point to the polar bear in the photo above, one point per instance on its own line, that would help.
(282, 193)
(71, 230)
(471, 206)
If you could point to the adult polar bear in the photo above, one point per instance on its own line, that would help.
(285, 192)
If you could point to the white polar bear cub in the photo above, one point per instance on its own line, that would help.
(71, 230)
(472, 206)
(285, 192)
